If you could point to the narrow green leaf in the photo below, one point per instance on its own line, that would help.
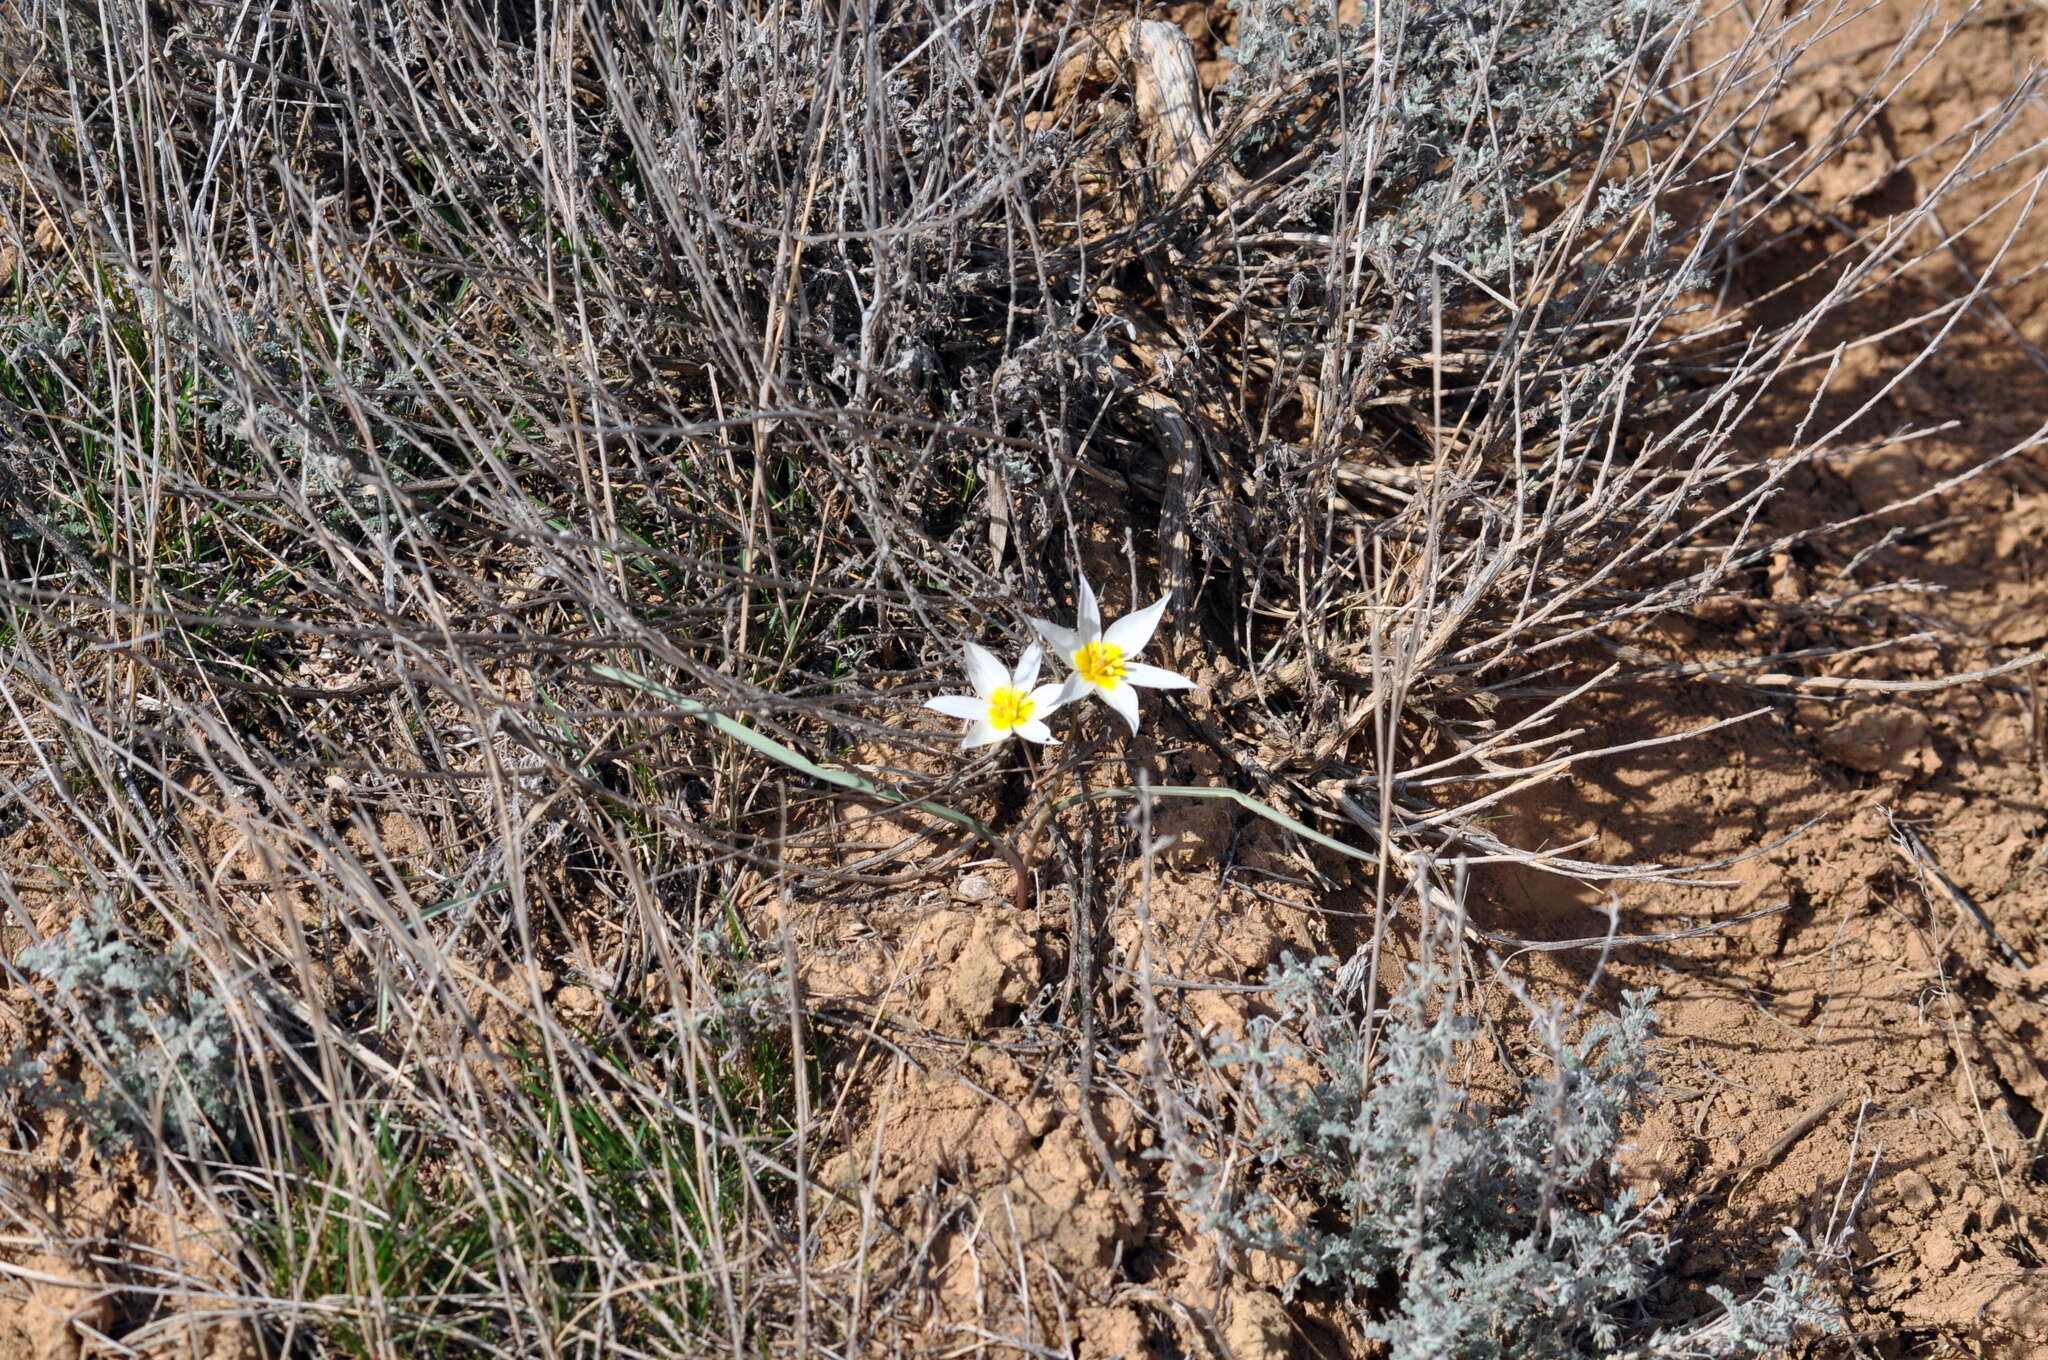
(1243, 800)
(795, 760)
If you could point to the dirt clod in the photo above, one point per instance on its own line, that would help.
(66, 1305)
(1259, 1328)
(983, 967)
(1113, 1333)
(1880, 481)
(1916, 1192)
(1881, 739)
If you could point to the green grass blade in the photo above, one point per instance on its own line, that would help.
(1243, 800)
(795, 760)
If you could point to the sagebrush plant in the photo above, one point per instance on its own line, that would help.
(1362, 1155)
(153, 1048)
(1492, 107)
(443, 436)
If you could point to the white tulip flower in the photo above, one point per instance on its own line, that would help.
(1005, 702)
(1105, 660)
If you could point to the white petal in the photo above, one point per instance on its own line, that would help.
(1124, 700)
(1036, 731)
(1026, 674)
(1089, 625)
(1073, 689)
(1131, 632)
(984, 672)
(981, 734)
(1048, 699)
(1153, 677)
(958, 706)
(1063, 641)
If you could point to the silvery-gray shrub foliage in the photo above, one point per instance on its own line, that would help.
(165, 1045)
(1465, 109)
(1500, 1228)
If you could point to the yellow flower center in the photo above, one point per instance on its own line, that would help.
(1101, 664)
(1010, 708)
